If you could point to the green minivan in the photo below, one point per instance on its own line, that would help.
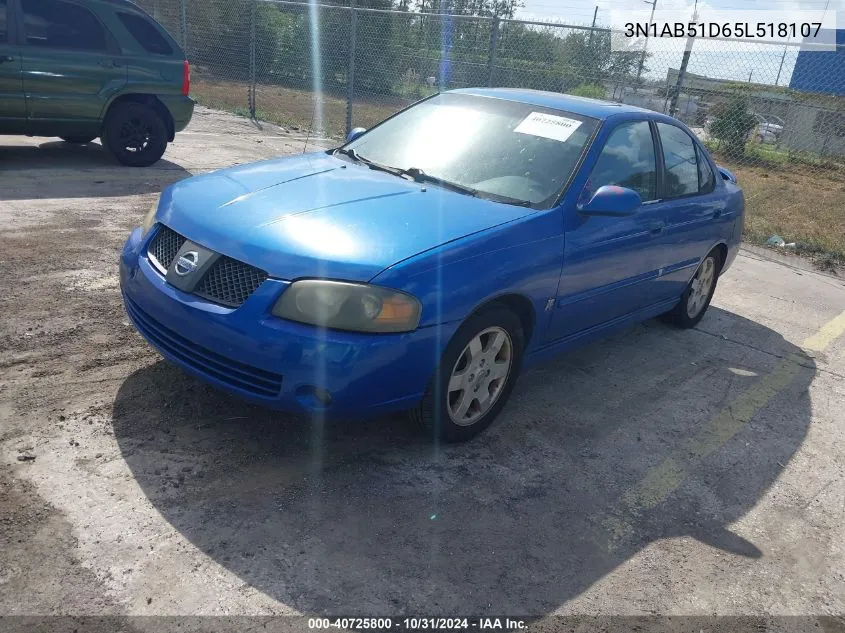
(82, 69)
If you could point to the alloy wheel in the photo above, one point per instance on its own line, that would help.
(479, 375)
(700, 287)
(135, 135)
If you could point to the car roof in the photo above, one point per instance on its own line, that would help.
(594, 108)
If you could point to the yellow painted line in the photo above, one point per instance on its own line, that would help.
(831, 330)
(662, 480)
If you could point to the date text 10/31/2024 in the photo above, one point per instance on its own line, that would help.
(417, 624)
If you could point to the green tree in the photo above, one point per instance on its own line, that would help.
(731, 124)
(588, 58)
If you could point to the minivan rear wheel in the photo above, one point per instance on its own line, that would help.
(77, 140)
(135, 134)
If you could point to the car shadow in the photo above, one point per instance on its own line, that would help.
(651, 434)
(55, 169)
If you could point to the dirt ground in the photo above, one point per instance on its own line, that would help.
(656, 472)
(294, 108)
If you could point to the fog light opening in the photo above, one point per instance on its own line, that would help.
(313, 398)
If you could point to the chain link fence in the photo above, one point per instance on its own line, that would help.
(774, 115)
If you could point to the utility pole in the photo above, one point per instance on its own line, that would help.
(592, 30)
(750, 72)
(653, 4)
(673, 105)
(782, 57)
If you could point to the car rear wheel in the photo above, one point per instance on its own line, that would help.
(135, 134)
(77, 140)
(475, 377)
(696, 298)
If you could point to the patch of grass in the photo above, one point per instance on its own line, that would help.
(801, 203)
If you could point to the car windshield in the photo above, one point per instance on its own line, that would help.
(501, 149)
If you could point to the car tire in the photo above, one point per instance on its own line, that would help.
(77, 140)
(696, 298)
(476, 375)
(135, 134)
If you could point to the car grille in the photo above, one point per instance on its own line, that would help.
(225, 370)
(228, 282)
(164, 247)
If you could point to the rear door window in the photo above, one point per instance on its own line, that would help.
(706, 177)
(145, 33)
(59, 24)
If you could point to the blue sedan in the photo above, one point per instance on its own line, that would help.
(422, 265)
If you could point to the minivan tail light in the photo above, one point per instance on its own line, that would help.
(186, 79)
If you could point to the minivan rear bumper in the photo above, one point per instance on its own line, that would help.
(181, 109)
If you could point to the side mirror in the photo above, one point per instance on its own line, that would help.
(726, 174)
(354, 133)
(611, 200)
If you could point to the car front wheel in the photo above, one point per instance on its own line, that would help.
(475, 377)
(135, 134)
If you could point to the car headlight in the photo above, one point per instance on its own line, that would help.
(348, 306)
(150, 218)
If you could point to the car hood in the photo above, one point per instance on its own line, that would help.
(319, 216)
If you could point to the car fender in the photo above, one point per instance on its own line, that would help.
(452, 282)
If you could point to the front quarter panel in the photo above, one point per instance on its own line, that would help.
(452, 281)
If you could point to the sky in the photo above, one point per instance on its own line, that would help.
(762, 63)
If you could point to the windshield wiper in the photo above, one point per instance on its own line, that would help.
(420, 176)
(369, 163)
(347, 152)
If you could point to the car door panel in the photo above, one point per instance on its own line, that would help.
(12, 103)
(608, 271)
(71, 67)
(609, 262)
(695, 222)
(63, 88)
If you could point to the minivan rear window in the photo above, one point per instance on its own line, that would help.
(145, 34)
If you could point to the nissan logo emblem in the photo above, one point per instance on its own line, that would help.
(187, 263)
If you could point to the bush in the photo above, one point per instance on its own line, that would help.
(731, 124)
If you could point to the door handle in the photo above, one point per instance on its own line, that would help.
(109, 63)
(6, 58)
(656, 227)
(717, 214)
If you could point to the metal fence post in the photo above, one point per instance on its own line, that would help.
(350, 71)
(183, 24)
(252, 59)
(491, 55)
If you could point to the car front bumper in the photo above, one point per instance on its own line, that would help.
(277, 363)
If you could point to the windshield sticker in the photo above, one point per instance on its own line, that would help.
(557, 128)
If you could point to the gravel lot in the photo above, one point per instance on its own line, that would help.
(656, 472)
